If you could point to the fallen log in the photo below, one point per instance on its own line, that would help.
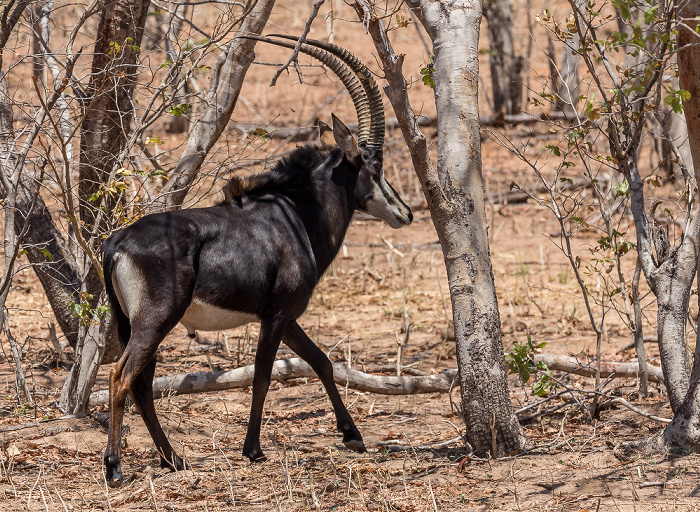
(294, 368)
(570, 364)
(306, 133)
(630, 345)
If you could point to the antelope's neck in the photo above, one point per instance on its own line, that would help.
(327, 229)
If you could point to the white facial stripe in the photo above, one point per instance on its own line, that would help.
(385, 205)
(128, 283)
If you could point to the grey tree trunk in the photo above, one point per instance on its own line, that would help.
(88, 357)
(568, 90)
(45, 246)
(104, 131)
(108, 116)
(455, 196)
(670, 277)
(506, 66)
(683, 433)
(179, 124)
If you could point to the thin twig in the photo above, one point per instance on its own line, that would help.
(295, 54)
(19, 373)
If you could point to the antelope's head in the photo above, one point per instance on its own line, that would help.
(372, 193)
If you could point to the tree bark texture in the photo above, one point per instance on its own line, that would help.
(670, 280)
(506, 66)
(455, 196)
(45, 246)
(463, 234)
(683, 433)
(88, 357)
(222, 98)
(108, 117)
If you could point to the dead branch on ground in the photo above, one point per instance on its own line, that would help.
(295, 368)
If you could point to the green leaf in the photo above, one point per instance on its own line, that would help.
(259, 132)
(624, 7)
(47, 254)
(554, 149)
(179, 110)
(622, 188)
(650, 14)
(675, 99)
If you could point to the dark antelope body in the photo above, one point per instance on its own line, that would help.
(257, 256)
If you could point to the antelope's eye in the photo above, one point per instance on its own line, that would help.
(365, 156)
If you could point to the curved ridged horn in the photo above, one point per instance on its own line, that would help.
(376, 133)
(347, 76)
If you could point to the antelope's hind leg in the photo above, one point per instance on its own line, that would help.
(296, 339)
(126, 377)
(142, 394)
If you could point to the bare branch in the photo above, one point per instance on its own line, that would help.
(302, 38)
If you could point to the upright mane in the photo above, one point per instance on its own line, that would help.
(291, 176)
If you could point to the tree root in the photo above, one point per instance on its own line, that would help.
(654, 446)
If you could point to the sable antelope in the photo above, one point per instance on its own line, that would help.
(255, 257)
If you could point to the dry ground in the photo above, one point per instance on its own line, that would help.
(381, 278)
(356, 312)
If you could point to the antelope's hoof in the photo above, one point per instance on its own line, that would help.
(356, 445)
(115, 483)
(255, 455)
(113, 470)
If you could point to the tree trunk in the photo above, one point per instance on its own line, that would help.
(45, 246)
(176, 124)
(506, 66)
(88, 357)
(568, 87)
(455, 197)
(107, 120)
(670, 279)
(462, 230)
(683, 433)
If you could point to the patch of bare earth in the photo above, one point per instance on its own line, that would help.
(358, 313)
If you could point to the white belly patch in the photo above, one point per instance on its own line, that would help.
(201, 316)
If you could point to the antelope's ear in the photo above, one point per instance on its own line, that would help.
(344, 139)
(325, 133)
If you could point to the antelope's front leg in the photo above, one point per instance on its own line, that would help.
(268, 343)
(296, 339)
